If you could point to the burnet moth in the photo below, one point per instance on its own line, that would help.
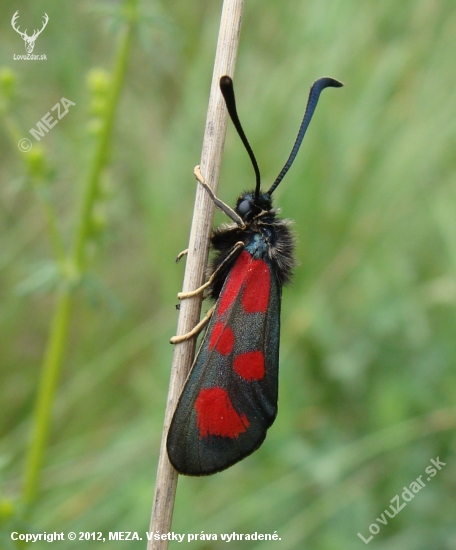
(230, 397)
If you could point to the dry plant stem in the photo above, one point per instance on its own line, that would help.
(198, 250)
(218, 203)
(202, 288)
(195, 330)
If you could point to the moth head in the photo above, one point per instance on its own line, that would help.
(248, 206)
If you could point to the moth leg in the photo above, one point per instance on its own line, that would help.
(196, 329)
(192, 293)
(218, 203)
(181, 255)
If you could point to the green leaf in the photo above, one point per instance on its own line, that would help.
(44, 277)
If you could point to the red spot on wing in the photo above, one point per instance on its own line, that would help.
(255, 298)
(234, 282)
(222, 339)
(215, 414)
(250, 365)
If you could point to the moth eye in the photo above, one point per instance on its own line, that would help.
(244, 207)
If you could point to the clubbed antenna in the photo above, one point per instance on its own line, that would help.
(317, 87)
(226, 86)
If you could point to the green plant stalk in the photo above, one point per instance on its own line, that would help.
(55, 348)
(103, 146)
(46, 393)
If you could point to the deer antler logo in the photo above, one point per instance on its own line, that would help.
(29, 40)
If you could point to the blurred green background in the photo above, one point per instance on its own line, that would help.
(368, 347)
